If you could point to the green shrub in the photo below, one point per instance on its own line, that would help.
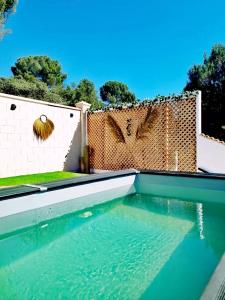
(35, 90)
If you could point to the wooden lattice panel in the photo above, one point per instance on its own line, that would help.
(169, 144)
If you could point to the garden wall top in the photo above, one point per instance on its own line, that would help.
(19, 98)
(159, 99)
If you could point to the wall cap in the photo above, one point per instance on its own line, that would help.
(19, 98)
(84, 106)
(212, 139)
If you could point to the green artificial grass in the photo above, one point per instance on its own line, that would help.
(37, 178)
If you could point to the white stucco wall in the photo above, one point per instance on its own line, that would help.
(210, 154)
(20, 151)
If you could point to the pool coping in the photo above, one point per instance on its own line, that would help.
(17, 191)
(23, 190)
(185, 174)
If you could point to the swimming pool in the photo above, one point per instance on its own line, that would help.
(125, 235)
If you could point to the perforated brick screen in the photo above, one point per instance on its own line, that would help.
(160, 136)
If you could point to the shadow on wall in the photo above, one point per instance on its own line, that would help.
(72, 158)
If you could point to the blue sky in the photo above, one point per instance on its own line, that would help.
(148, 44)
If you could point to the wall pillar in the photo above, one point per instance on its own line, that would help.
(84, 106)
(198, 127)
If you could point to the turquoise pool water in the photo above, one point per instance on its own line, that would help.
(135, 247)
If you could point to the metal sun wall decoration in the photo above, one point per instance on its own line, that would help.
(43, 128)
(142, 130)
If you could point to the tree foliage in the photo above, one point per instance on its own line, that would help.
(42, 68)
(210, 79)
(6, 8)
(67, 93)
(116, 92)
(85, 91)
(36, 90)
(40, 77)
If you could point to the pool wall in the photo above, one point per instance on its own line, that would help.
(182, 185)
(23, 211)
(29, 205)
(215, 289)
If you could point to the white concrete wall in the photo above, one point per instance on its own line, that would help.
(210, 152)
(211, 155)
(21, 152)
